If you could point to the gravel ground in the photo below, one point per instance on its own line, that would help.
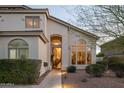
(75, 80)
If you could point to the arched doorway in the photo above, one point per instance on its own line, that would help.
(56, 51)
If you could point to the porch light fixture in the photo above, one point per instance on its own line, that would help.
(56, 43)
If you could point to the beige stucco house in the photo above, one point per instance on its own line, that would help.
(35, 34)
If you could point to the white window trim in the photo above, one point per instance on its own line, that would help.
(76, 64)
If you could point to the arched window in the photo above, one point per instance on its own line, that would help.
(56, 40)
(18, 49)
(79, 52)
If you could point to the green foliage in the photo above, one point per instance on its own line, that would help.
(116, 44)
(71, 69)
(116, 58)
(104, 63)
(117, 68)
(100, 54)
(96, 70)
(19, 71)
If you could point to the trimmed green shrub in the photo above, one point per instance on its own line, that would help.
(117, 68)
(96, 70)
(100, 54)
(102, 63)
(19, 71)
(71, 69)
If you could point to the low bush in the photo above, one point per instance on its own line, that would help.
(100, 54)
(19, 71)
(71, 69)
(111, 65)
(104, 63)
(96, 70)
(117, 68)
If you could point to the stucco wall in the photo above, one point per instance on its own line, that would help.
(42, 54)
(16, 22)
(67, 36)
(37, 49)
(75, 36)
(32, 42)
(55, 28)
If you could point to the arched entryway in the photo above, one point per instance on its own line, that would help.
(56, 51)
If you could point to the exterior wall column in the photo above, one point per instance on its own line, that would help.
(94, 54)
(69, 46)
(86, 52)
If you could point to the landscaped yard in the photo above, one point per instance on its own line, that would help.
(81, 79)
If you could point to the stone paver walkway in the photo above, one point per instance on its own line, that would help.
(52, 80)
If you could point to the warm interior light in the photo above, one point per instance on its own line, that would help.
(30, 23)
(56, 43)
(57, 86)
(56, 51)
(56, 40)
(68, 86)
(64, 73)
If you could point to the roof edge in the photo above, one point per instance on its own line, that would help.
(25, 33)
(60, 21)
(71, 26)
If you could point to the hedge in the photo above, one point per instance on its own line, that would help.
(96, 70)
(117, 68)
(19, 71)
(102, 63)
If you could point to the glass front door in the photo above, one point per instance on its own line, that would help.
(56, 59)
(56, 52)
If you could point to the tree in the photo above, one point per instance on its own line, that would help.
(106, 21)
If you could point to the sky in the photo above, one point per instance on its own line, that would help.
(58, 11)
(62, 12)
